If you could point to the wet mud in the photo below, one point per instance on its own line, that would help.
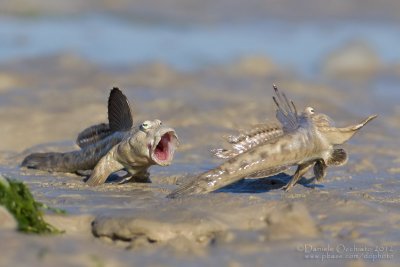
(352, 218)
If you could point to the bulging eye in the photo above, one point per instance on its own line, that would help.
(145, 125)
(310, 110)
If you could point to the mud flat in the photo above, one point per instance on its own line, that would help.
(191, 11)
(351, 219)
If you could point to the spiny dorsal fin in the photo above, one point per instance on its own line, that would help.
(93, 134)
(286, 111)
(119, 116)
(119, 111)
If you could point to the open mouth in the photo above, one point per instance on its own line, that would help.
(164, 151)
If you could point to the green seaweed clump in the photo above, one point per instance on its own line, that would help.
(17, 198)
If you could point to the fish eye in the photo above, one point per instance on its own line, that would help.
(145, 125)
(310, 110)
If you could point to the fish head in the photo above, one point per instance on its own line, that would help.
(319, 120)
(326, 126)
(156, 142)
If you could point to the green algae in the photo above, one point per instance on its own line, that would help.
(17, 198)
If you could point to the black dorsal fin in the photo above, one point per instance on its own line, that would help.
(119, 111)
(93, 134)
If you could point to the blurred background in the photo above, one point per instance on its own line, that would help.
(205, 68)
(184, 58)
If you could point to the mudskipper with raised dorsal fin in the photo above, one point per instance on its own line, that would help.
(108, 148)
(305, 140)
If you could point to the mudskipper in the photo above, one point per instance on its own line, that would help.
(306, 140)
(110, 147)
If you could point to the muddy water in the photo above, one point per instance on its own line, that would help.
(352, 218)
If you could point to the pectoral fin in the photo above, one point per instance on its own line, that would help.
(301, 170)
(103, 169)
(320, 170)
(338, 158)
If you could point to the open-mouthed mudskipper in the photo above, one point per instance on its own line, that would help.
(118, 145)
(308, 139)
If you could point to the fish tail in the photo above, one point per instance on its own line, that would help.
(51, 161)
(187, 189)
(201, 184)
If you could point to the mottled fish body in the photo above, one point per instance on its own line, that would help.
(107, 148)
(307, 140)
(73, 161)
